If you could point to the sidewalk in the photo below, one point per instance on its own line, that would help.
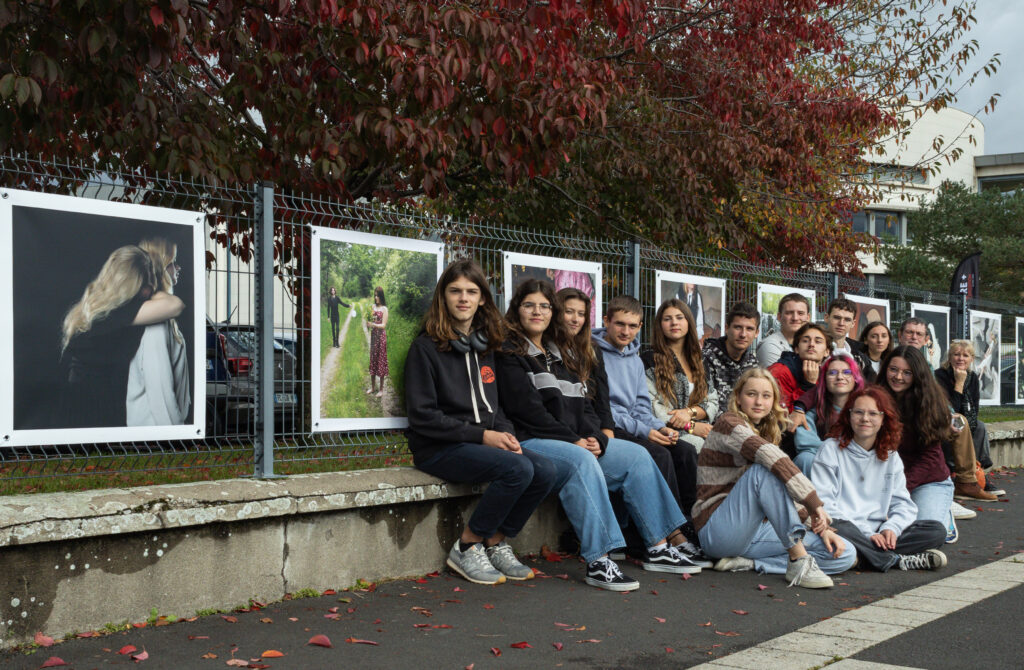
(441, 621)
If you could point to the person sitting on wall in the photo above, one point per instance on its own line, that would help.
(458, 432)
(794, 312)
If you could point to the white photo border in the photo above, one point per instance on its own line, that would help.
(1018, 397)
(343, 424)
(680, 278)
(971, 313)
(10, 198)
(877, 302)
(809, 293)
(510, 258)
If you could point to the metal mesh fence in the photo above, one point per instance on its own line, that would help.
(236, 310)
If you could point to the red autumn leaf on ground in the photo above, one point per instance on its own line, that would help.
(320, 641)
(740, 612)
(421, 580)
(329, 592)
(435, 573)
(443, 625)
(271, 653)
(229, 618)
(333, 617)
(199, 637)
(127, 649)
(562, 576)
(669, 650)
(53, 662)
(659, 619)
(488, 606)
(557, 646)
(761, 587)
(266, 619)
(43, 640)
(521, 645)
(89, 633)
(686, 576)
(141, 656)
(458, 589)
(728, 633)
(421, 625)
(549, 555)
(705, 624)
(653, 592)
(356, 640)
(470, 666)
(257, 603)
(376, 621)
(209, 654)
(237, 663)
(141, 624)
(293, 618)
(496, 651)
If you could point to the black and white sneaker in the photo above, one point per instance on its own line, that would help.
(931, 559)
(604, 574)
(993, 489)
(665, 558)
(695, 554)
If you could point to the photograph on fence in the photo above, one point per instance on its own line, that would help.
(936, 341)
(562, 272)
(705, 296)
(869, 310)
(1018, 362)
(768, 297)
(105, 307)
(985, 327)
(370, 295)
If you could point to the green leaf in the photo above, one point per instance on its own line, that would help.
(7, 85)
(94, 42)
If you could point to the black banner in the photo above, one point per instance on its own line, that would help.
(967, 276)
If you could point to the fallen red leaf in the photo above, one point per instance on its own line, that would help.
(293, 618)
(355, 640)
(421, 580)
(257, 666)
(705, 624)
(687, 576)
(257, 603)
(141, 656)
(43, 640)
(801, 603)
(422, 610)
(333, 617)
(320, 641)
(521, 645)
(330, 592)
(53, 662)
(443, 625)
(488, 607)
(377, 621)
(199, 637)
(435, 573)
(496, 651)
(470, 666)
(237, 663)
(89, 633)
(127, 649)
(458, 589)
(562, 576)
(421, 625)
(740, 612)
(209, 654)
(141, 624)
(728, 633)
(229, 618)
(761, 587)
(659, 619)
(557, 646)
(266, 619)
(669, 650)
(271, 653)
(653, 592)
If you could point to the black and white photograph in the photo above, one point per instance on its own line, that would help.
(1018, 358)
(103, 305)
(985, 332)
(705, 296)
(371, 293)
(936, 341)
(768, 297)
(562, 272)
(869, 310)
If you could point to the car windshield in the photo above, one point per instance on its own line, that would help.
(244, 341)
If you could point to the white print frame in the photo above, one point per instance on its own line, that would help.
(983, 326)
(768, 292)
(1018, 365)
(937, 317)
(543, 264)
(378, 242)
(94, 228)
(714, 288)
(864, 305)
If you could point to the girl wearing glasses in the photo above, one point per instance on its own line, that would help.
(859, 476)
(823, 404)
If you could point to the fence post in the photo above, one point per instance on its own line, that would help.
(634, 253)
(835, 286)
(263, 239)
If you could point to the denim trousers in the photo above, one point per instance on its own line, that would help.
(676, 463)
(933, 501)
(518, 483)
(737, 527)
(583, 483)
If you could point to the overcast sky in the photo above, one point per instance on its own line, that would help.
(1000, 29)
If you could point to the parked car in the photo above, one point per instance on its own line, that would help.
(231, 380)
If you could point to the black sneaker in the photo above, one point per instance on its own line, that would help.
(695, 554)
(604, 574)
(993, 489)
(932, 559)
(665, 558)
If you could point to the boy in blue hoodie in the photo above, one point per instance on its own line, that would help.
(619, 344)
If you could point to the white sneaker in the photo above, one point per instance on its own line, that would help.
(961, 512)
(474, 565)
(734, 564)
(805, 572)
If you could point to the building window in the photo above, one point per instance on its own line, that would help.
(888, 226)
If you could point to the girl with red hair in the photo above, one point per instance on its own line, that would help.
(859, 477)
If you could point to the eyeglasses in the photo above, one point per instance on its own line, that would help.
(872, 414)
(896, 372)
(835, 373)
(540, 306)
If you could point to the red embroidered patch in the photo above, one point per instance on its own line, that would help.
(487, 374)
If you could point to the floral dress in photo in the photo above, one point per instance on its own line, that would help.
(378, 346)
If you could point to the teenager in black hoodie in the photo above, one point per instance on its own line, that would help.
(457, 431)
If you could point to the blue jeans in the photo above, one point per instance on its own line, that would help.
(737, 527)
(583, 483)
(804, 460)
(518, 483)
(933, 501)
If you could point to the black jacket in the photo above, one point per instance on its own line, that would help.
(449, 397)
(965, 403)
(543, 398)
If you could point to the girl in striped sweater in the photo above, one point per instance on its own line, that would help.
(748, 493)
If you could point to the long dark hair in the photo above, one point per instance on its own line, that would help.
(864, 338)
(580, 357)
(665, 360)
(438, 322)
(378, 294)
(891, 431)
(923, 405)
(555, 331)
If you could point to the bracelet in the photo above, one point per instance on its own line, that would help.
(688, 427)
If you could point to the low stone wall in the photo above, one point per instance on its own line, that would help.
(76, 561)
(1006, 443)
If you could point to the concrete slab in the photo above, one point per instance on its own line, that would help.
(860, 630)
(816, 645)
(922, 604)
(889, 615)
(759, 658)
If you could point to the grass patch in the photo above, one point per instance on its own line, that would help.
(347, 397)
(402, 330)
(1003, 413)
(326, 337)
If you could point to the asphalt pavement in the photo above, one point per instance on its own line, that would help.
(556, 621)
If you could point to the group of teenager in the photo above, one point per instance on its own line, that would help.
(684, 456)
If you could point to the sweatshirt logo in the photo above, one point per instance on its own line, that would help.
(487, 374)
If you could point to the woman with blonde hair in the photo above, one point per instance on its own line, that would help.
(744, 478)
(963, 389)
(101, 334)
(158, 381)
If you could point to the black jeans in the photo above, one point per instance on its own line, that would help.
(335, 328)
(518, 483)
(677, 464)
(917, 537)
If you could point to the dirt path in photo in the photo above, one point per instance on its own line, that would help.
(329, 367)
(389, 401)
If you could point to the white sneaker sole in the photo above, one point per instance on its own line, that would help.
(814, 585)
(454, 566)
(620, 588)
(675, 569)
(965, 514)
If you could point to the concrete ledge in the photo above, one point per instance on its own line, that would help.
(76, 561)
(1006, 443)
